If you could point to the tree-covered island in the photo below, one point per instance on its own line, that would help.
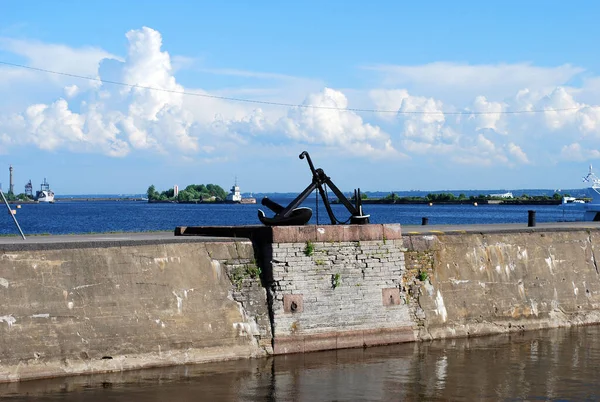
(22, 197)
(192, 193)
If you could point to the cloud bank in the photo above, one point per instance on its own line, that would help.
(463, 114)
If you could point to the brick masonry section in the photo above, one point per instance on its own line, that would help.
(329, 293)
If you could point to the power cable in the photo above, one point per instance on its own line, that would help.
(269, 103)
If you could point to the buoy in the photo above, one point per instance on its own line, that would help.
(431, 204)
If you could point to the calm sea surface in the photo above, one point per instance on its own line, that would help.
(559, 364)
(66, 217)
(549, 365)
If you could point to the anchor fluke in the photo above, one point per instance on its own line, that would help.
(297, 216)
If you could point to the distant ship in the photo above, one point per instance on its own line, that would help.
(591, 210)
(235, 196)
(44, 194)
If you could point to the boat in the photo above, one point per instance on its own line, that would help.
(44, 194)
(235, 196)
(248, 200)
(571, 201)
(591, 209)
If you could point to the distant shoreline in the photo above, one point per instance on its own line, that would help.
(365, 201)
(462, 202)
(100, 199)
(199, 202)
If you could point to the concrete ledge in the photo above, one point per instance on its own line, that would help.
(299, 234)
(503, 326)
(68, 367)
(342, 340)
(335, 233)
(222, 231)
(105, 240)
(498, 228)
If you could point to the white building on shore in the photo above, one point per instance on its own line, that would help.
(503, 195)
(234, 194)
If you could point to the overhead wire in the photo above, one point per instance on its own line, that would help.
(283, 104)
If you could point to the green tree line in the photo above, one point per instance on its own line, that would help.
(449, 197)
(193, 192)
(19, 197)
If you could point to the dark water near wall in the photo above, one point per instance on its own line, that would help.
(557, 364)
(66, 217)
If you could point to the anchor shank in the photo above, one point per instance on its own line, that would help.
(298, 200)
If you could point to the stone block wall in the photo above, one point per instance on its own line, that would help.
(338, 286)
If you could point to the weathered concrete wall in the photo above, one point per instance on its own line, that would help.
(82, 308)
(338, 287)
(73, 309)
(476, 284)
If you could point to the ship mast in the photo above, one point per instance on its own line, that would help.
(593, 179)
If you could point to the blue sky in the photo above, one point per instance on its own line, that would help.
(455, 72)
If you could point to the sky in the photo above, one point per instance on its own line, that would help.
(110, 97)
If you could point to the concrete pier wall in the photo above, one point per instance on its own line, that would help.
(477, 284)
(71, 308)
(372, 285)
(81, 309)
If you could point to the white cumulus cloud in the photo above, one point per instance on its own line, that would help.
(458, 81)
(325, 124)
(152, 113)
(115, 119)
(486, 114)
(56, 57)
(71, 90)
(543, 122)
(517, 153)
(455, 113)
(575, 152)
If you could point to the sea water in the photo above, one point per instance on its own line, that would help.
(71, 217)
(558, 364)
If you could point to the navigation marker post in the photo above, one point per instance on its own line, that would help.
(12, 214)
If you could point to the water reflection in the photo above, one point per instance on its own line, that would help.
(553, 364)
